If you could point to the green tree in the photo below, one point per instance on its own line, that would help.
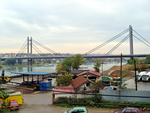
(59, 68)
(77, 60)
(147, 60)
(132, 61)
(64, 80)
(4, 95)
(20, 61)
(70, 63)
(10, 61)
(67, 64)
(97, 66)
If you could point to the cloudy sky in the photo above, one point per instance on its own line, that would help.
(73, 26)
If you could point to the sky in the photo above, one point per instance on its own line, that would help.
(74, 26)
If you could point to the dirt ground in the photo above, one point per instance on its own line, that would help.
(115, 70)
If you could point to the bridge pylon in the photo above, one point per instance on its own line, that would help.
(29, 47)
(131, 41)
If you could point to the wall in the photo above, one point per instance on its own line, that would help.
(126, 96)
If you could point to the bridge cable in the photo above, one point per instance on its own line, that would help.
(115, 47)
(141, 36)
(23, 47)
(44, 46)
(37, 49)
(141, 41)
(108, 41)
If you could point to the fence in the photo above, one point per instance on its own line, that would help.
(114, 95)
(125, 96)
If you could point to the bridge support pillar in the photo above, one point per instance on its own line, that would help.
(28, 49)
(131, 41)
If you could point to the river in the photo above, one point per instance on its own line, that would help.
(10, 71)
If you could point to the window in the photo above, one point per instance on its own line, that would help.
(128, 111)
(80, 111)
(135, 111)
(75, 111)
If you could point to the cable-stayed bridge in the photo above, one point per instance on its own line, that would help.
(25, 51)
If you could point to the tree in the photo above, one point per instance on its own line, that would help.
(70, 63)
(3, 96)
(132, 61)
(97, 85)
(64, 80)
(97, 66)
(77, 60)
(59, 68)
(67, 64)
(20, 61)
(147, 60)
(10, 61)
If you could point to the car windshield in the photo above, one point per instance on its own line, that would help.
(123, 110)
(145, 76)
(69, 111)
(13, 103)
(137, 75)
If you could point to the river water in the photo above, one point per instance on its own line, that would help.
(11, 71)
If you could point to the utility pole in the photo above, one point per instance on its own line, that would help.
(135, 75)
(120, 85)
(131, 41)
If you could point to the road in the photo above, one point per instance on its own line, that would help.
(42, 103)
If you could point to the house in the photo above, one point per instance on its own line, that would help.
(75, 73)
(80, 83)
(90, 75)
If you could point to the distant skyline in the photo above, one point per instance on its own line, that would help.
(73, 26)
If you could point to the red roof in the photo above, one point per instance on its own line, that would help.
(78, 81)
(91, 73)
(64, 90)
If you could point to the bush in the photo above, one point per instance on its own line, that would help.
(61, 100)
(96, 98)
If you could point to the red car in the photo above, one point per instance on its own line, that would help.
(13, 105)
(128, 110)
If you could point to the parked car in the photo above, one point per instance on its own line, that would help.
(2, 107)
(128, 110)
(77, 110)
(13, 105)
(146, 77)
(139, 76)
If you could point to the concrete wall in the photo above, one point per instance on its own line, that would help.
(126, 96)
(113, 95)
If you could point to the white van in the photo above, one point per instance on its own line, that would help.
(139, 76)
(146, 77)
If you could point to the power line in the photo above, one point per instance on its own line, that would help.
(108, 41)
(115, 47)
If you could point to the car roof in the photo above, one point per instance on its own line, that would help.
(13, 100)
(131, 108)
(79, 108)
